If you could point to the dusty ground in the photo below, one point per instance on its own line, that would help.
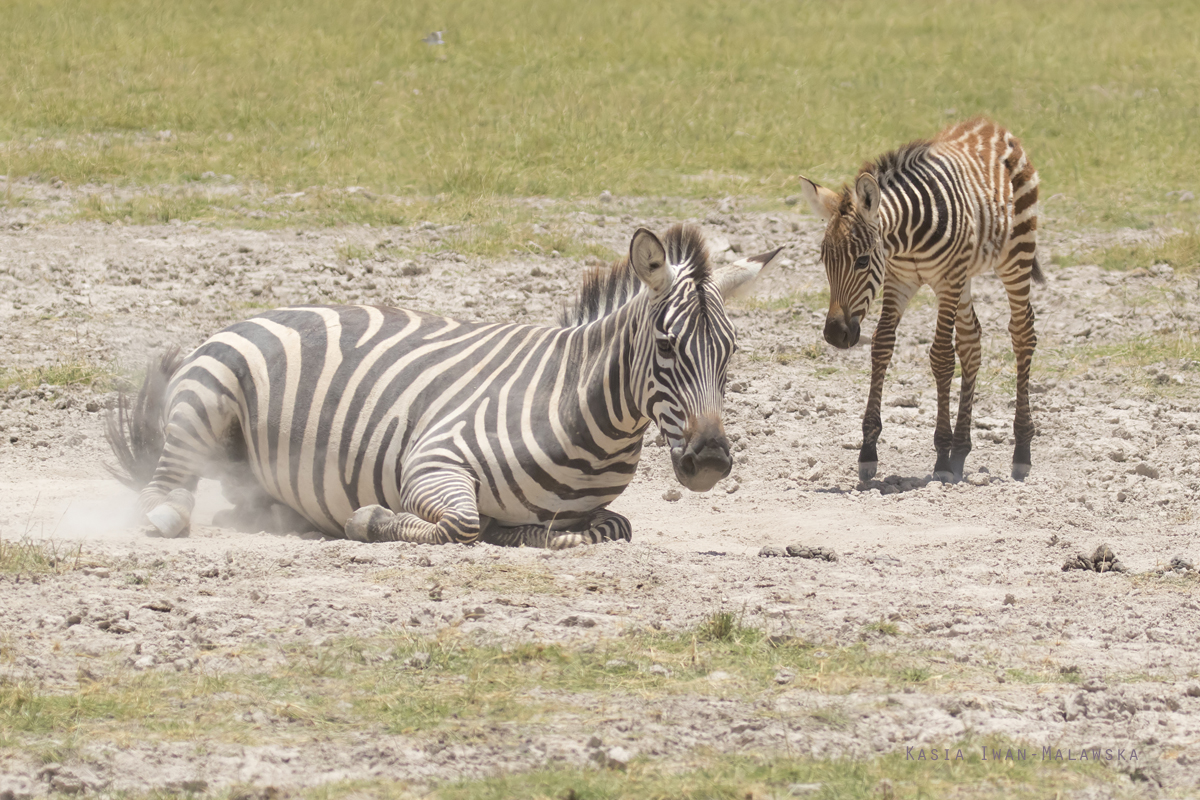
(970, 575)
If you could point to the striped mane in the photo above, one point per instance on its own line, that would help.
(884, 168)
(607, 288)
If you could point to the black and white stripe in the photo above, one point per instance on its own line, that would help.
(387, 424)
(936, 212)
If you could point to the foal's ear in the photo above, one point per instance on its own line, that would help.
(823, 202)
(867, 196)
(648, 258)
(732, 277)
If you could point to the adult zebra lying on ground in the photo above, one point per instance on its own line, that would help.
(935, 212)
(382, 424)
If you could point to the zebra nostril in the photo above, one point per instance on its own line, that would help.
(687, 464)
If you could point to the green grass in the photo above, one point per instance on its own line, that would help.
(418, 686)
(751, 776)
(1181, 252)
(691, 99)
(68, 373)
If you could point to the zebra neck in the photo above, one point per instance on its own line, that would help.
(611, 375)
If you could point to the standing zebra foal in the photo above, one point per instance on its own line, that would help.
(936, 212)
(380, 424)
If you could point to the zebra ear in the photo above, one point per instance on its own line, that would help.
(732, 277)
(823, 202)
(649, 260)
(866, 196)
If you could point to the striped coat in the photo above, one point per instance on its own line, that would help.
(387, 424)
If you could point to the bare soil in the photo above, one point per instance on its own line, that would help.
(971, 571)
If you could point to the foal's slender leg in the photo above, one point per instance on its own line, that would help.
(967, 334)
(895, 299)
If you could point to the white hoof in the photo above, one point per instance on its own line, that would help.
(167, 520)
(945, 477)
(358, 527)
(173, 516)
(1020, 471)
(867, 470)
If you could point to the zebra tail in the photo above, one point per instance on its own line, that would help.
(136, 433)
(1038, 276)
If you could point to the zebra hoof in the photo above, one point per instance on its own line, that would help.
(358, 527)
(945, 476)
(867, 470)
(1021, 471)
(172, 517)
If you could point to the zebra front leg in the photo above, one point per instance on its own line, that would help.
(604, 526)
(895, 300)
(443, 507)
(967, 336)
(941, 360)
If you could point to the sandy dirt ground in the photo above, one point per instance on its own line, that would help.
(971, 571)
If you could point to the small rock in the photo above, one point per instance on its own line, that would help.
(791, 199)
(576, 621)
(784, 676)
(160, 604)
(418, 660)
(1094, 684)
(618, 758)
(145, 662)
(98, 572)
(594, 742)
(717, 676)
(605, 196)
(672, 495)
(616, 663)
(1181, 563)
(771, 552)
(802, 789)
(1146, 470)
(1192, 690)
(92, 406)
(412, 268)
(1010, 599)
(979, 479)
(659, 669)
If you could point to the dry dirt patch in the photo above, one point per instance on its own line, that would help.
(955, 593)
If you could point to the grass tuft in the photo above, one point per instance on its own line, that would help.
(69, 373)
(37, 556)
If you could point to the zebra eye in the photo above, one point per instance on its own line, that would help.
(664, 347)
(862, 262)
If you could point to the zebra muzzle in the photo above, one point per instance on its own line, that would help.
(841, 331)
(702, 462)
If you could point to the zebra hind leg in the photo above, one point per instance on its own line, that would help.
(967, 336)
(604, 526)
(169, 513)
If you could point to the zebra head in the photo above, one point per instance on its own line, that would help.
(684, 350)
(852, 252)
